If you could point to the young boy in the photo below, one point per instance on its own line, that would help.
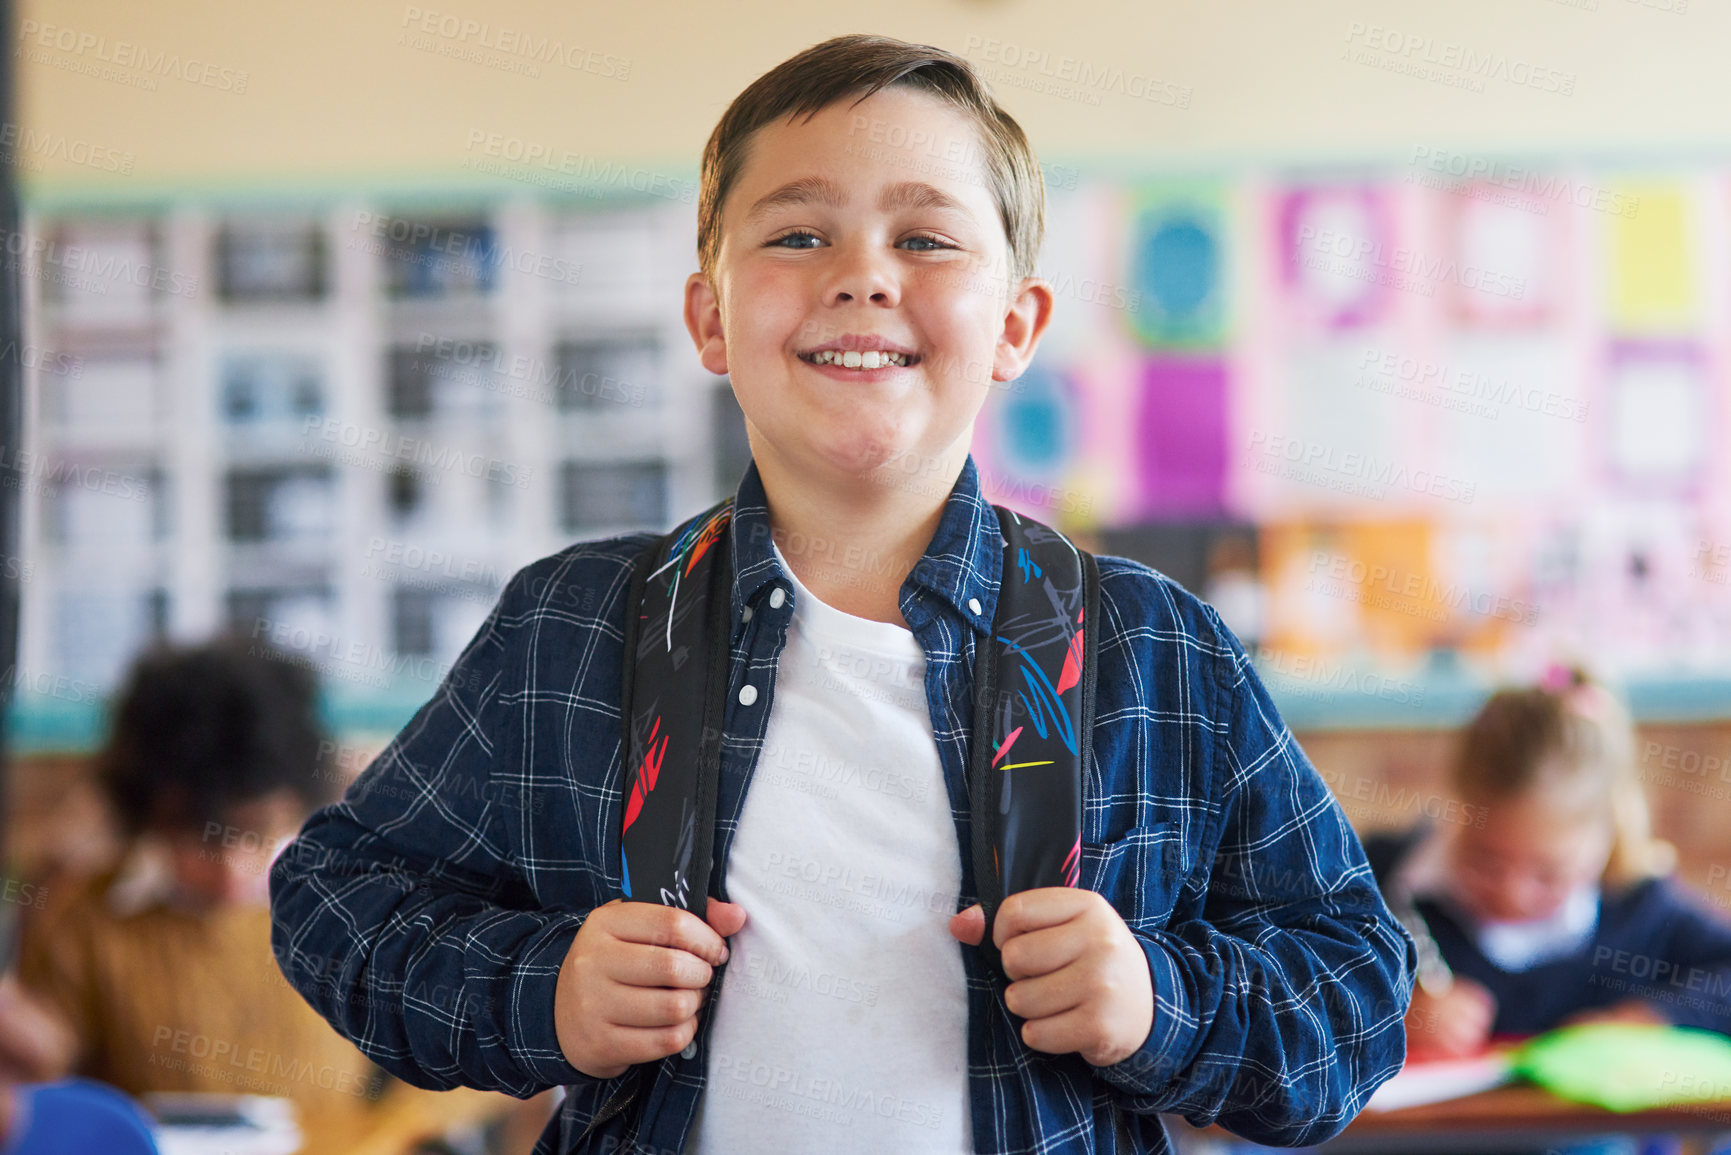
(868, 226)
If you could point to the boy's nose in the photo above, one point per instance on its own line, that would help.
(858, 274)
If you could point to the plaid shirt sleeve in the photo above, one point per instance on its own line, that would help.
(1281, 979)
(399, 913)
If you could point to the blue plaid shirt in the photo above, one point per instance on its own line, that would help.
(426, 914)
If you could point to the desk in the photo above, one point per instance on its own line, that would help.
(1519, 1112)
(1504, 1118)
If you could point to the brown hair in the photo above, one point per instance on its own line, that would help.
(1572, 733)
(859, 65)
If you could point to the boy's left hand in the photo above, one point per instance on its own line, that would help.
(1078, 975)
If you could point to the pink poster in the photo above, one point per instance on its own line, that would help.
(1181, 437)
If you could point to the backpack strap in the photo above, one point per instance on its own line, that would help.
(1033, 713)
(672, 696)
(1033, 717)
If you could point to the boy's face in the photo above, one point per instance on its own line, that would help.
(834, 238)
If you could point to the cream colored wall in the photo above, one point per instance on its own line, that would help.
(333, 96)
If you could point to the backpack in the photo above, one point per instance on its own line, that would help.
(1033, 694)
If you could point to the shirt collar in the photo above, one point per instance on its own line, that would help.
(960, 569)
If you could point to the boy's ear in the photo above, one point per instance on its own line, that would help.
(1030, 311)
(703, 322)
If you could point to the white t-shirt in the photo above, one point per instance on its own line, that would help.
(842, 1020)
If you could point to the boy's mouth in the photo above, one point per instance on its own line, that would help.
(860, 359)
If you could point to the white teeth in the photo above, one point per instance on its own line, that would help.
(869, 359)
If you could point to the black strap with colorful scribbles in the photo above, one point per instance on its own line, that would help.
(1034, 698)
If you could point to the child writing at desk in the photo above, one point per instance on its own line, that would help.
(1548, 902)
(868, 224)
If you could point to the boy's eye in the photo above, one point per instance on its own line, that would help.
(797, 239)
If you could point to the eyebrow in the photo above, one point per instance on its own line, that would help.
(821, 190)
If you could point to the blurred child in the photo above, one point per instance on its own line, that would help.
(161, 967)
(1548, 901)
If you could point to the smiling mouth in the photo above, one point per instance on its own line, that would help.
(855, 359)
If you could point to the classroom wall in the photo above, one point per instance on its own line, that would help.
(327, 91)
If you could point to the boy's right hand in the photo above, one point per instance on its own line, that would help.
(1450, 1026)
(634, 978)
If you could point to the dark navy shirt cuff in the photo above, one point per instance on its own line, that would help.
(1154, 1064)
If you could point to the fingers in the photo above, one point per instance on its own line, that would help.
(1042, 997)
(640, 1007)
(1040, 952)
(1452, 1026)
(725, 918)
(666, 926)
(636, 965)
(1471, 992)
(1029, 910)
(628, 1045)
(969, 926)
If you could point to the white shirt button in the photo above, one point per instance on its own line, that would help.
(974, 604)
(745, 614)
(690, 1051)
(776, 597)
(747, 695)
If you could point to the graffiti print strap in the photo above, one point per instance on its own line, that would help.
(1034, 687)
(1033, 707)
(676, 656)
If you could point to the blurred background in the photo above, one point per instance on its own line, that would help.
(1400, 332)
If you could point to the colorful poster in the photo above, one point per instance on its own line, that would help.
(1651, 267)
(1030, 445)
(1337, 255)
(1178, 267)
(1181, 437)
(1504, 267)
(1658, 417)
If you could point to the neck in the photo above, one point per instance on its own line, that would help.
(854, 544)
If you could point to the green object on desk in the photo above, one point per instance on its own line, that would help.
(1629, 1066)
